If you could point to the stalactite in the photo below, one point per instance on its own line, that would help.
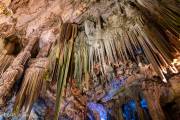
(99, 58)
(34, 81)
(68, 34)
(15, 71)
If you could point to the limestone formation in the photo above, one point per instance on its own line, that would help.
(89, 59)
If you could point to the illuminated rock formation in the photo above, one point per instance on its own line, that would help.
(90, 59)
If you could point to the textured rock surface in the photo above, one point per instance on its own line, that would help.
(34, 18)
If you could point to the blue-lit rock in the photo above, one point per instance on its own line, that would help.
(115, 86)
(99, 108)
(1, 117)
(38, 111)
(129, 111)
(144, 104)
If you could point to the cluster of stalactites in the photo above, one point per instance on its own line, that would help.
(128, 34)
